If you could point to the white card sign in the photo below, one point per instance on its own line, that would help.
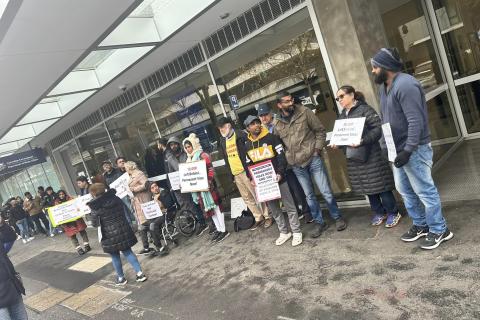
(121, 186)
(174, 178)
(387, 134)
(237, 205)
(265, 178)
(193, 176)
(151, 209)
(347, 132)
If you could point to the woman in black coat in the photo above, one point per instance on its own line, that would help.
(115, 234)
(368, 171)
(11, 290)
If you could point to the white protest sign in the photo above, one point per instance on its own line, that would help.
(347, 132)
(193, 176)
(158, 178)
(82, 203)
(121, 186)
(265, 178)
(174, 178)
(65, 212)
(387, 134)
(151, 209)
(237, 205)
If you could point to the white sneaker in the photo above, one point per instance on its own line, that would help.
(52, 235)
(283, 238)
(19, 237)
(297, 239)
(30, 239)
(24, 241)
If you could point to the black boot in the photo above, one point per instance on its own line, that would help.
(319, 229)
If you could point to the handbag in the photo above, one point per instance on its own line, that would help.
(244, 222)
(358, 154)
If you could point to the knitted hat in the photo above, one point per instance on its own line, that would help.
(387, 59)
(194, 141)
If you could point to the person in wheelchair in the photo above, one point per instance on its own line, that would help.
(167, 205)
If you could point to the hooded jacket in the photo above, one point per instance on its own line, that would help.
(108, 214)
(265, 147)
(172, 160)
(301, 134)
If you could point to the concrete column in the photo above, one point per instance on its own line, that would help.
(352, 31)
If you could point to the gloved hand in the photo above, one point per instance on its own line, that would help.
(402, 158)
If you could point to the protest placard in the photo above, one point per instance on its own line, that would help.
(151, 210)
(121, 186)
(347, 132)
(193, 176)
(82, 203)
(265, 178)
(174, 178)
(65, 212)
(237, 205)
(388, 136)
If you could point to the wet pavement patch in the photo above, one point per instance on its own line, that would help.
(52, 267)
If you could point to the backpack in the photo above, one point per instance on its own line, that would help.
(244, 222)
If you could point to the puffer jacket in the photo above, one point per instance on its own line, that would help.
(10, 288)
(375, 175)
(301, 135)
(108, 214)
(137, 185)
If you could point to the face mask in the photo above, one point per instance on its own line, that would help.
(381, 77)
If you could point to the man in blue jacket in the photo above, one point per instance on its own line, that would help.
(404, 108)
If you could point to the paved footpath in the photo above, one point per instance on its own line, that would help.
(362, 273)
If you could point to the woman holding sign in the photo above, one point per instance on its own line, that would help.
(209, 200)
(368, 171)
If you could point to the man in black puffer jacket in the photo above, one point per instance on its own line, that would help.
(116, 233)
(11, 290)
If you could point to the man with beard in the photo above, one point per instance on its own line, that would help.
(404, 109)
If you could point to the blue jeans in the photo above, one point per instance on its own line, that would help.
(382, 203)
(131, 258)
(414, 182)
(23, 226)
(316, 170)
(128, 210)
(14, 312)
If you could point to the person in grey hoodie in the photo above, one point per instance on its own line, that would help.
(404, 109)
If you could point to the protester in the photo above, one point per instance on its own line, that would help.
(266, 116)
(154, 161)
(48, 197)
(263, 146)
(83, 185)
(174, 155)
(7, 235)
(156, 224)
(71, 229)
(404, 108)
(138, 186)
(11, 290)
(116, 234)
(209, 200)
(304, 138)
(110, 174)
(33, 207)
(19, 215)
(120, 162)
(233, 147)
(369, 173)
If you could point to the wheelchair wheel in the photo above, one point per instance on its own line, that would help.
(186, 223)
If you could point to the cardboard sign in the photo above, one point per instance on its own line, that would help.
(121, 186)
(237, 205)
(82, 203)
(387, 134)
(174, 178)
(65, 212)
(151, 210)
(265, 178)
(193, 176)
(347, 132)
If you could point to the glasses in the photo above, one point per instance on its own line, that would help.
(340, 97)
(286, 101)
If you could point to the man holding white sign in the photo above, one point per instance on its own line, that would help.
(267, 164)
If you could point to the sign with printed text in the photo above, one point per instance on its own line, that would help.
(193, 176)
(387, 134)
(121, 186)
(82, 203)
(347, 132)
(265, 178)
(174, 178)
(237, 205)
(67, 212)
(151, 209)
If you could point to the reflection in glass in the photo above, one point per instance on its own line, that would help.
(440, 118)
(469, 96)
(70, 156)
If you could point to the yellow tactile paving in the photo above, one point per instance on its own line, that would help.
(46, 299)
(91, 264)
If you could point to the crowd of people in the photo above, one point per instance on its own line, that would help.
(293, 141)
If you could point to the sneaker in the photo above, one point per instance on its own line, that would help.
(301, 216)
(145, 251)
(414, 233)
(268, 223)
(141, 278)
(24, 241)
(80, 251)
(257, 225)
(87, 247)
(160, 252)
(283, 238)
(18, 237)
(52, 235)
(211, 229)
(215, 236)
(378, 219)
(320, 228)
(297, 239)
(341, 224)
(392, 220)
(311, 220)
(201, 229)
(30, 239)
(120, 281)
(433, 240)
(222, 236)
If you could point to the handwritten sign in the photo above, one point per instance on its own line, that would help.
(174, 178)
(82, 203)
(387, 134)
(121, 186)
(66, 212)
(347, 132)
(151, 210)
(193, 176)
(237, 205)
(265, 178)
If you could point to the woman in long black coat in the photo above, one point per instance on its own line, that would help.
(368, 171)
(115, 234)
